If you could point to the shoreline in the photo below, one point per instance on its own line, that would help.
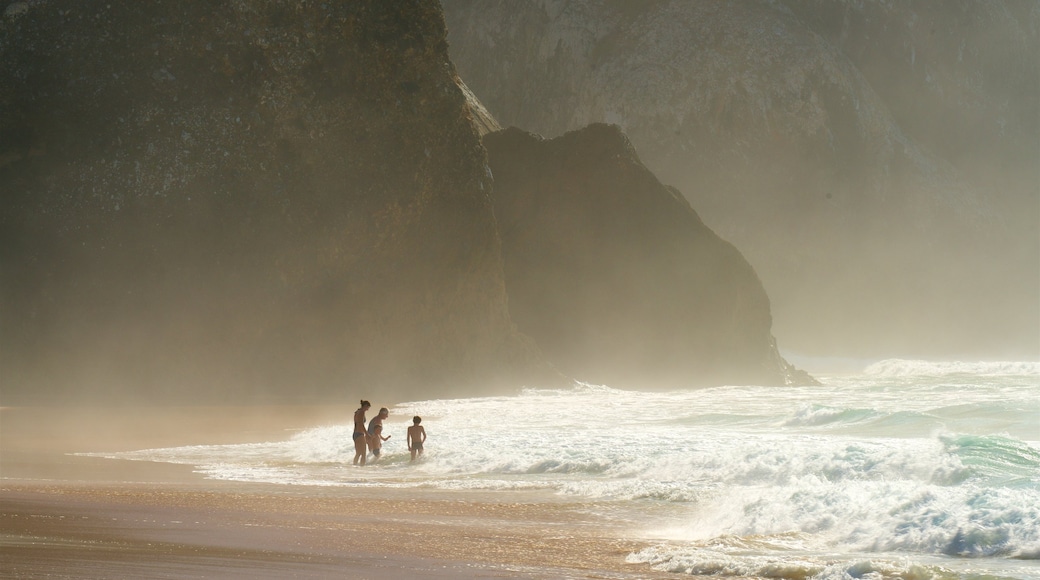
(69, 516)
(213, 529)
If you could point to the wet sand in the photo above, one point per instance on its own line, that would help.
(63, 516)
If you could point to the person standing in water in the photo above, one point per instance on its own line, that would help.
(416, 437)
(375, 440)
(374, 445)
(360, 436)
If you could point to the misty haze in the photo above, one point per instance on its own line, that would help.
(741, 288)
(877, 164)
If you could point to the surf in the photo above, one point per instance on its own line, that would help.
(908, 469)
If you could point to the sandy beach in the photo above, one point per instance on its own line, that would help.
(67, 516)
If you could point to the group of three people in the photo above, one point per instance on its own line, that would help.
(371, 438)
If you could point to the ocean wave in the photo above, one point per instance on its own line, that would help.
(699, 561)
(971, 523)
(907, 368)
(675, 492)
(997, 459)
(576, 388)
(904, 423)
(812, 415)
(878, 517)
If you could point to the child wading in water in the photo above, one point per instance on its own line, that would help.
(416, 437)
(375, 440)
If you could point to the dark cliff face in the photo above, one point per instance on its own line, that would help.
(614, 274)
(875, 162)
(228, 200)
(959, 76)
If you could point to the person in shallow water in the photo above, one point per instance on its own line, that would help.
(375, 440)
(377, 420)
(360, 436)
(416, 437)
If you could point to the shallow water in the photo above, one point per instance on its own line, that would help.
(908, 469)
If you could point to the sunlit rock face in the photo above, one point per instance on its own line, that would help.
(227, 200)
(614, 274)
(875, 161)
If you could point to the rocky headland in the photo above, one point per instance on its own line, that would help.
(614, 274)
(874, 161)
(290, 201)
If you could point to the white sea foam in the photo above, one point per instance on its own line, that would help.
(714, 562)
(901, 367)
(894, 471)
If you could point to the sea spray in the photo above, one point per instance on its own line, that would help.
(911, 469)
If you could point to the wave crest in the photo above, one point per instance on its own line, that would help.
(904, 368)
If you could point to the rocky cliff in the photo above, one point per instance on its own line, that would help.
(614, 274)
(229, 201)
(874, 161)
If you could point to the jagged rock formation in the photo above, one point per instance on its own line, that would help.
(614, 274)
(883, 217)
(230, 200)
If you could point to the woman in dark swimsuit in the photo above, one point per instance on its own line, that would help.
(360, 436)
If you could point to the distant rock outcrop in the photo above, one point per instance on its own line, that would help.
(875, 161)
(228, 200)
(614, 274)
